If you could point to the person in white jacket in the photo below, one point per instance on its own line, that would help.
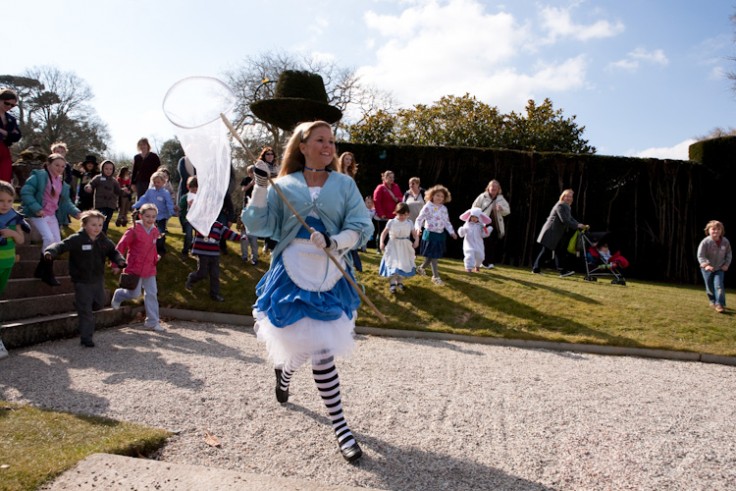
(477, 227)
(493, 204)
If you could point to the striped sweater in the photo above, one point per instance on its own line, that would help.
(210, 245)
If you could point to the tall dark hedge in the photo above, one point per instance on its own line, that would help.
(655, 209)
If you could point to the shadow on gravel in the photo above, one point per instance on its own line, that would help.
(413, 469)
(52, 384)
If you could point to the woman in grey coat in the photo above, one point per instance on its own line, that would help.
(560, 219)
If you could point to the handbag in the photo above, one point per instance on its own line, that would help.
(572, 245)
(129, 281)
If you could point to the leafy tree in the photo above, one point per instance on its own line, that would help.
(466, 121)
(544, 129)
(455, 121)
(54, 105)
(170, 153)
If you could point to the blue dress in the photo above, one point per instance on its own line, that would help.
(296, 323)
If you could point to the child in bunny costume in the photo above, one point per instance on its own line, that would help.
(477, 227)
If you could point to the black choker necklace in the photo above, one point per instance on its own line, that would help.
(314, 170)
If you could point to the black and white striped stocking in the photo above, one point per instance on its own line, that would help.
(328, 384)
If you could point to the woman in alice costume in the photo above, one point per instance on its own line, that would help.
(305, 308)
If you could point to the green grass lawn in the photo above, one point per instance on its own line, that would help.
(37, 445)
(505, 302)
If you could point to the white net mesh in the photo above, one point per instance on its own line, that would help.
(195, 105)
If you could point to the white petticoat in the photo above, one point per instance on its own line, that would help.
(305, 337)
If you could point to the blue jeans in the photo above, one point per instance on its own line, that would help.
(714, 286)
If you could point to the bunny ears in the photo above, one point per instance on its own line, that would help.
(476, 212)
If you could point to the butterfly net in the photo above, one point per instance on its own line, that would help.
(195, 106)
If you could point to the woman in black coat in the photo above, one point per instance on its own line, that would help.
(560, 219)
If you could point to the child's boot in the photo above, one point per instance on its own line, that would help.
(45, 271)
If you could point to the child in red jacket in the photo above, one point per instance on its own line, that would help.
(138, 245)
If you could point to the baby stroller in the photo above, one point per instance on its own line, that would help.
(600, 262)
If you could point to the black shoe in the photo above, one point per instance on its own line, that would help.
(536, 271)
(87, 343)
(281, 395)
(217, 298)
(188, 284)
(50, 280)
(352, 453)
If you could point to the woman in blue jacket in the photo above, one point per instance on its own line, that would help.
(305, 307)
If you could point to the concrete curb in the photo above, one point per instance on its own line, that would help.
(246, 320)
(115, 472)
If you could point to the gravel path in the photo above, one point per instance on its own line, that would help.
(429, 414)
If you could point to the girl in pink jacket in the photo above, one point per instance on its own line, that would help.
(138, 246)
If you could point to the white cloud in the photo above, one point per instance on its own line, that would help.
(431, 50)
(635, 58)
(559, 24)
(676, 152)
(717, 73)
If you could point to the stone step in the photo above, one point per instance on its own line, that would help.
(26, 267)
(27, 332)
(33, 287)
(29, 251)
(23, 308)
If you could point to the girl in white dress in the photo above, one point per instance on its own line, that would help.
(398, 255)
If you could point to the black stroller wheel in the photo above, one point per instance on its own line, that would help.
(590, 278)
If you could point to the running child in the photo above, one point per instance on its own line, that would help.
(45, 201)
(398, 258)
(207, 250)
(714, 256)
(185, 201)
(10, 222)
(477, 227)
(138, 245)
(435, 220)
(10, 235)
(106, 191)
(158, 195)
(126, 196)
(88, 251)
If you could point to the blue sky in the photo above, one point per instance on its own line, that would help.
(644, 77)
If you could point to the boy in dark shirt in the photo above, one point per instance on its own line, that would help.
(88, 251)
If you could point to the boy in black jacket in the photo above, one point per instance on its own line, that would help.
(88, 251)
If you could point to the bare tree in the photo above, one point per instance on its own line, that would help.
(255, 79)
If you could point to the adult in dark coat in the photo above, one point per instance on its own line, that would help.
(144, 165)
(559, 221)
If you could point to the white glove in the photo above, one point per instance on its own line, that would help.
(261, 173)
(321, 240)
